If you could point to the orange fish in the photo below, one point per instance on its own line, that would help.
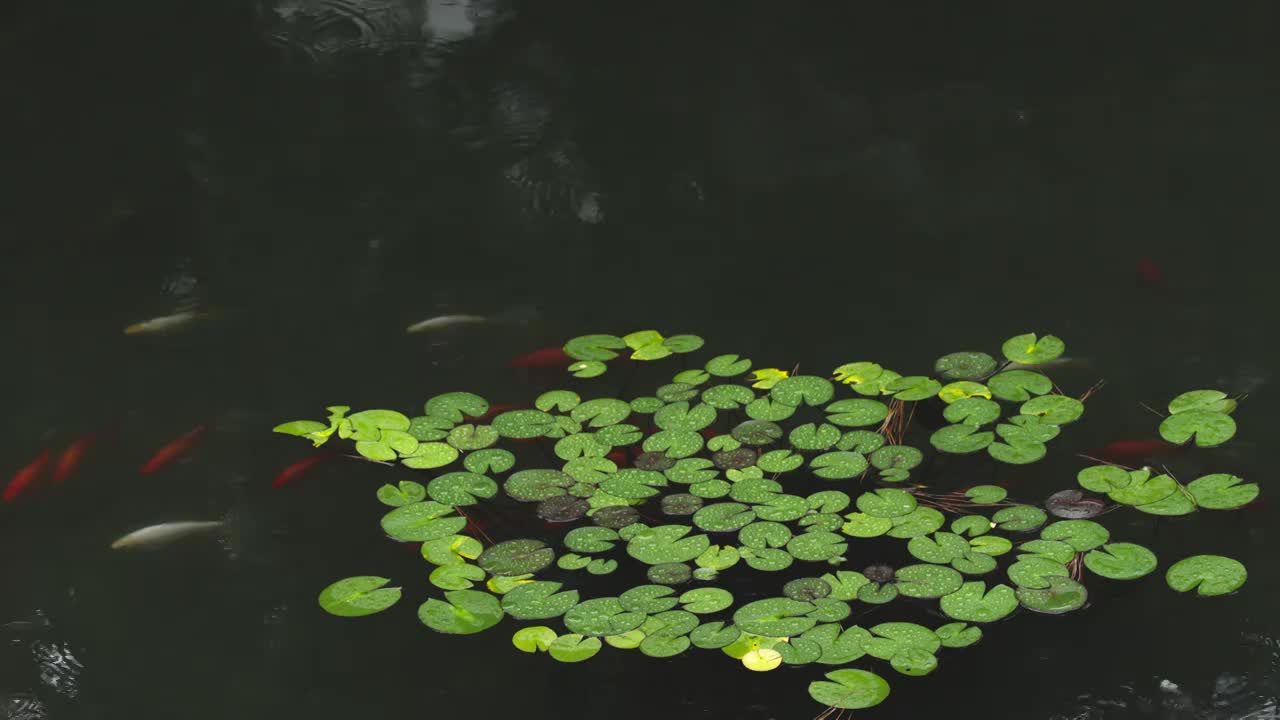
(174, 450)
(546, 358)
(296, 470)
(618, 457)
(70, 458)
(25, 477)
(1131, 450)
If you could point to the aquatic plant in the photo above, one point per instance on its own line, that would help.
(731, 468)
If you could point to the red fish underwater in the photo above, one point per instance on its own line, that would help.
(171, 452)
(544, 359)
(71, 458)
(299, 468)
(1149, 273)
(25, 477)
(1131, 451)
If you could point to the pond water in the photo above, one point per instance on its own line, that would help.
(799, 186)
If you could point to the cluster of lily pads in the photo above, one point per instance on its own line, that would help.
(726, 469)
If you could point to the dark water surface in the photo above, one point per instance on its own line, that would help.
(808, 186)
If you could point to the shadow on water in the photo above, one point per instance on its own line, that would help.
(313, 176)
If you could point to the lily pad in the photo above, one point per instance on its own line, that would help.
(714, 635)
(728, 365)
(539, 600)
(358, 596)
(780, 461)
(718, 558)
(927, 581)
(860, 441)
(974, 603)
(676, 443)
(704, 601)
(421, 521)
(972, 411)
(913, 387)
(1017, 453)
(1035, 571)
(1019, 518)
(1210, 400)
(856, 412)
(803, 389)
(602, 616)
(676, 392)
(574, 648)
(533, 639)
(633, 484)
(1103, 478)
(724, 517)
(667, 544)
(669, 573)
(591, 539)
(1082, 535)
(727, 397)
(1208, 575)
(681, 504)
(1071, 504)
(816, 546)
(1019, 385)
(908, 647)
(1148, 490)
(963, 390)
(757, 432)
(969, 365)
(408, 492)
(1120, 561)
(1031, 350)
(489, 461)
(1062, 595)
(769, 410)
(537, 485)
(461, 488)
(1053, 409)
(839, 465)
(814, 437)
(587, 369)
(1222, 491)
(597, 347)
(960, 439)
(466, 612)
(648, 599)
(458, 576)
(516, 557)
(774, 617)
(886, 503)
(524, 424)
(850, 689)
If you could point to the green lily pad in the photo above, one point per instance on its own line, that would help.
(1148, 490)
(465, 612)
(590, 470)
(574, 648)
(816, 546)
(1062, 595)
(958, 634)
(1030, 350)
(1053, 409)
(774, 617)
(572, 561)
(407, 493)
(425, 428)
(764, 534)
(724, 517)
(591, 539)
(537, 485)
(633, 484)
(1103, 478)
(667, 544)
(736, 459)
(493, 460)
(728, 397)
(1120, 561)
(974, 603)
(601, 412)
(860, 441)
(901, 457)
(927, 581)
(767, 560)
(563, 509)
(780, 461)
(1017, 453)
(598, 347)
(516, 557)
(714, 635)
(728, 365)
(856, 412)
(669, 573)
(1210, 400)
(960, 439)
(1054, 550)
(472, 437)
(1035, 571)
(454, 406)
(913, 387)
(972, 411)
(963, 390)
(539, 600)
(1082, 535)
(757, 432)
(580, 445)
(1222, 491)
(376, 450)
(875, 593)
(850, 689)
(602, 616)
(1027, 428)
(886, 503)
(458, 576)
(1019, 385)
(986, 494)
(1209, 428)
(866, 526)
(1208, 575)
(358, 596)
(971, 525)
(679, 416)
(524, 424)
(451, 550)
(533, 639)
(693, 376)
(683, 343)
(717, 557)
(706, 600)
(769, 410)
(814, 437)
(1179, 503)
(676, 392)
(587, 369)
(806, 589)
(675, 443)
(969, 365)
(461, 488)
(619, 435)
(421, 521)
(921, 521)
(648, 599)
(909, 647)
(803, 389)
(429, 455)
(561, 400)
(1019, 518)
(942, 548)
(839, 465)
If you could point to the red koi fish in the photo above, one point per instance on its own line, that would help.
(25, 477)
(299, 468)
(1149, 273)
(618, 457)
(171, 452)
(70, 458)
(544, 359)
(1127, 451)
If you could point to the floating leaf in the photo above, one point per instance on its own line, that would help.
(537, 485)
(839, 465)
(780, 461)
(562, 400)
(727, 397)
(629, 640)
(1017, 453)
(971, 525)
(1054, 550)
(762, 659)
(572, 561)
(667, 544)
(974, 603)
(816, 546)
(1120, 561)
(1209, 428)
(1210, 400)
(706, 600)
(524, 424)
(886, 503)
(376, 450)
(669, 573)
(1148, 490)
(958, 634)
(972, 411)
(533, 639)
(301, 428)
(1019, 385)
(768, 409)
(774, 617)
(454, 406)
(461, 488)
(714, 635)
(857, 412)
(850, 689)
(718, 557)
(489, 461)
(594, 347)
(574, 648)
(676, 392)
(963, 389)
(421, 521)
(1222, 491)
(459, 576)
(1062, 595)
(1034, 571)
(1029, 350)
(692, 377)
(429, 455)
(563, 509)
(591, 539)
(908, 647)
(406, 493)
(648, 599)
(860, 441)
(425, 428)
(587, 369)
(927, 581)
(724, 517)
(1209, 575)
(516, 557)
(960, 439)
(539, 600)
(676, 443)
(1082, 535)
(1072, 504)
(766, 378)
(965, 365)
(358, 596)
(757, 432)
(1179, 503)
(465, 613)
(914, 387)
(633, 484)
(1019, 518)
(683, 343)
(1053, 409)
(803, 389)
(451, 550)
(814, 437)
(728, 365)
(1103, 478)
(602, 616)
